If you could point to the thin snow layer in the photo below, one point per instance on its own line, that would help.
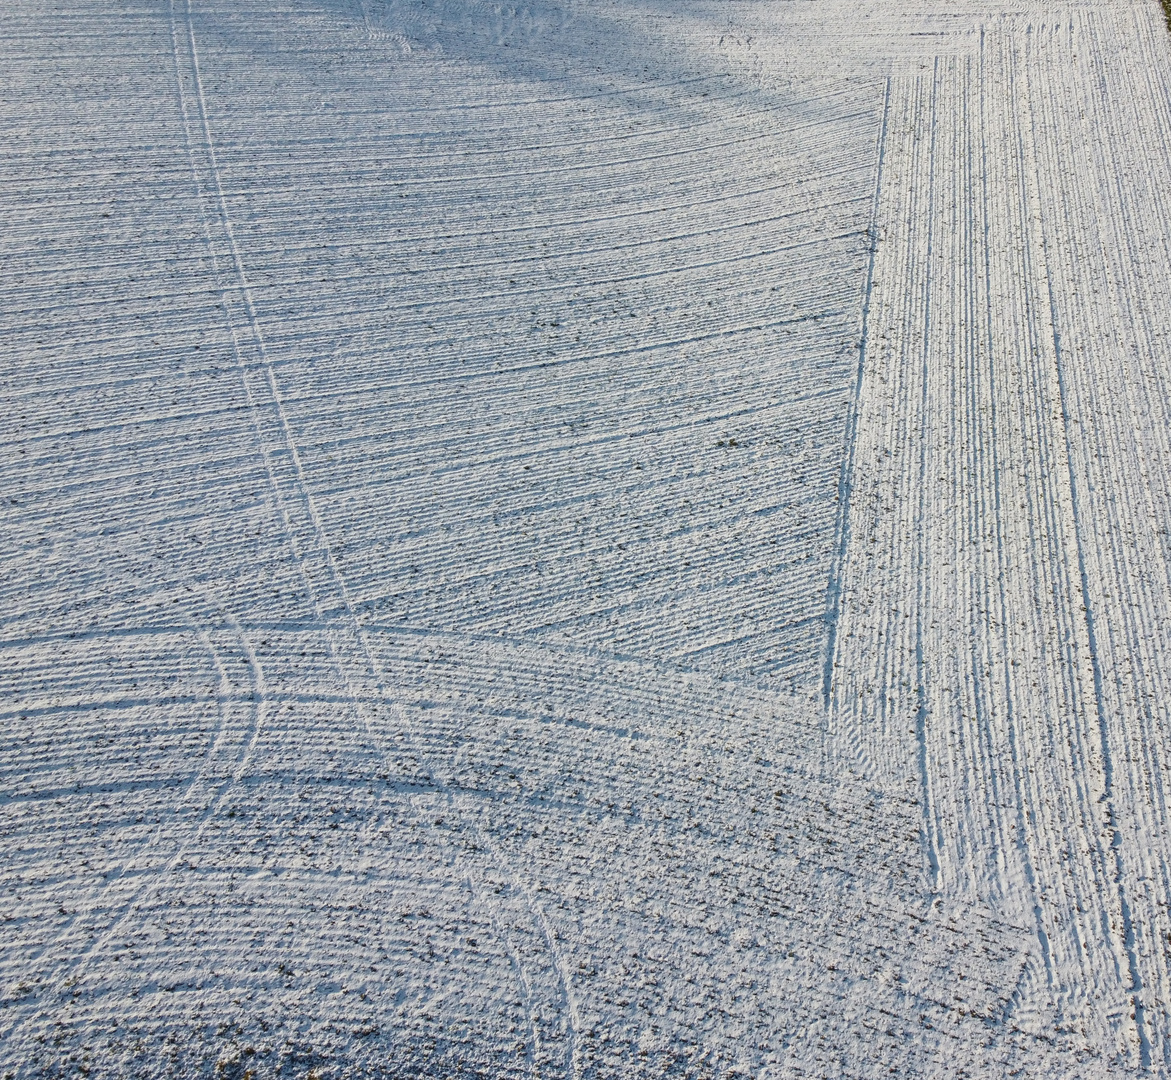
(465, 615)
(1004, 622)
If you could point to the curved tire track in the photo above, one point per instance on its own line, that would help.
(307, 538)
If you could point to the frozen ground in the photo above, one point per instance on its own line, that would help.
(585, 539)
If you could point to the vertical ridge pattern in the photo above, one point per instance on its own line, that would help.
(1005, 593)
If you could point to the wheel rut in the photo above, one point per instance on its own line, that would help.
(355, 666)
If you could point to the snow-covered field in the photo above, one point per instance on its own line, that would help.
(585, 539)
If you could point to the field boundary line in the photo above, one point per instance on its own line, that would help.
(833, 598)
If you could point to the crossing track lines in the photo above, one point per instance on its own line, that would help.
(355, 666)
(484, 406)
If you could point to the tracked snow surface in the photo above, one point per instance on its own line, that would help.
(585, 539)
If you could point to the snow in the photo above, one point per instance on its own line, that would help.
(585, 540)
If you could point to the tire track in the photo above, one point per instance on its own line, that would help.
(158, 878)
(139, 867)
(1101, 705)
(352, 659)
(1111, 319)
(574, 493)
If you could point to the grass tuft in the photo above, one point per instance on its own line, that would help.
(1167, 11)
